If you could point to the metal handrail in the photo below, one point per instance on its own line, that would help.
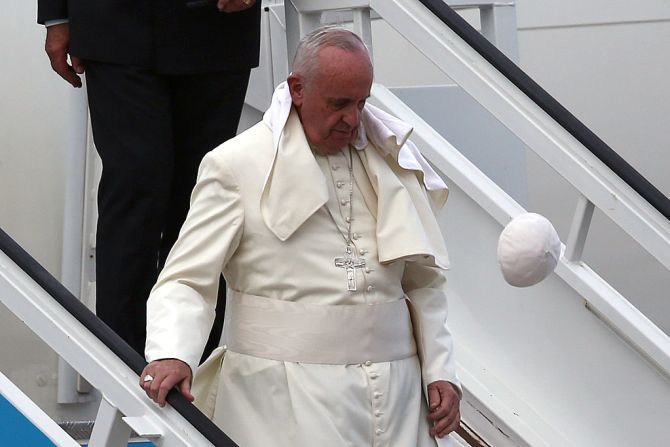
(550, 105)
(107, 336)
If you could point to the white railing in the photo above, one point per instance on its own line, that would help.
(575, 163)
(124, 405)
(34, 414)
(492, 403)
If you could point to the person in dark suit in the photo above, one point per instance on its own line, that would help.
(166, 81)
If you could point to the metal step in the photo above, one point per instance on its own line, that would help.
(81, 431)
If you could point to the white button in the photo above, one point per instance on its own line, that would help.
(368, 269)
(378, 413)
(378, 394)
(335, 167)
(371, 288)
(340, 183)
(356, 236)
(347, 219)
(374, 376)
(363, 251)
(368, 363)
(379, 431)
(344, 202)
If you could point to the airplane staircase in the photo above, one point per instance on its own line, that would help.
(568, 362)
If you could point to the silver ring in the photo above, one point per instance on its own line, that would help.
(147, 378)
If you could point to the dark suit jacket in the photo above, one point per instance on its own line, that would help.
(163, 35)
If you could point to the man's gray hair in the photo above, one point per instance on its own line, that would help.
(306, 62)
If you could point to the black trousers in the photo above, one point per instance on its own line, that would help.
(151, 131)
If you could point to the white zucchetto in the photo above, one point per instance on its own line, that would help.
(528, 250)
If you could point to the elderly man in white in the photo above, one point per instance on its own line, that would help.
(321, 218)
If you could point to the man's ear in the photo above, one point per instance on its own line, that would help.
(297, 87)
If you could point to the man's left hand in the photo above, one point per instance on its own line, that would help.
(443, 407)
(234, 5)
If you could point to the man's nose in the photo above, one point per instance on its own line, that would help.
(352, 116)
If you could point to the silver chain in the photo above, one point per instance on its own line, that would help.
(347, 238)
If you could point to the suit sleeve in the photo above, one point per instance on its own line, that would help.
(424, 287)
(181, 306)
(51, 10)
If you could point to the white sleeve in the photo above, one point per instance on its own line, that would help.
(425, 288)
(53, 22)
(181, 306)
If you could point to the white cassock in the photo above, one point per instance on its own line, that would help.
(308, 362)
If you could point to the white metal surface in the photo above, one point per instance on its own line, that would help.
(363, 27)
(74, 246)
(300, 21)
(626, 319)
(536, 364)
(554, 144)
(499, 27)
(477, 3)
(109, 430)
(278, 40)
(318, 6)
(531, 124)
(548, 139)
(34, 414)
(262, 78)
(579, 230)
(88, 355)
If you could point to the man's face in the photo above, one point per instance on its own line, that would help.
(330, 104)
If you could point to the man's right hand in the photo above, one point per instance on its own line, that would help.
(166, 374)
(57, 47)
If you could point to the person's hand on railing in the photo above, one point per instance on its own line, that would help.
(160, 376)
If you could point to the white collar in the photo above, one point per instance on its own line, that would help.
(406, 225)
(383, 130)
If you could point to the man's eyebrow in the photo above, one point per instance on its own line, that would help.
(344, 99)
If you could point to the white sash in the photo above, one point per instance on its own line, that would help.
(312, 333)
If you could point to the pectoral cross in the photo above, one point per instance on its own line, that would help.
(350, 264)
